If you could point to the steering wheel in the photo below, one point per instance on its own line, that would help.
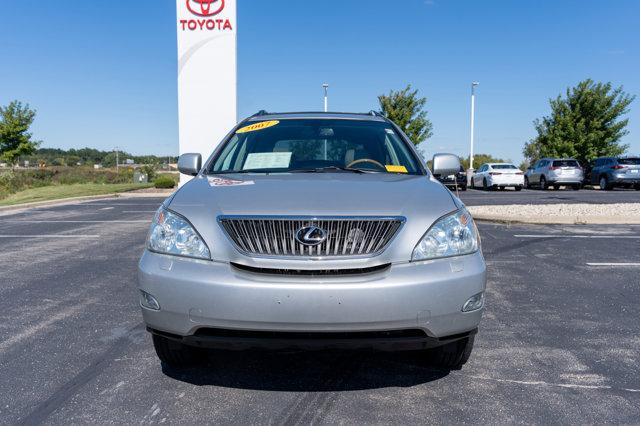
(366, 160)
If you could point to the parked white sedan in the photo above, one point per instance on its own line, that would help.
(498, 175)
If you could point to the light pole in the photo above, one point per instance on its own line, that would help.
(117, 162)
(473, 110)
(326, 97)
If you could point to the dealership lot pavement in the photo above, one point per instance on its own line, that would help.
(473, 197)
(559, 342)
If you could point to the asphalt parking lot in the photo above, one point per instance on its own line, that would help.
(558, 344)
(475, 197)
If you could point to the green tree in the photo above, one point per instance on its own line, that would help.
(480, 159)
(585, 124)
(15, 139)
(406, 109)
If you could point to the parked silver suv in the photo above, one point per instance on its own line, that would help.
(554, 172)
(313, 230)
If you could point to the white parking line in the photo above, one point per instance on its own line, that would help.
(139, 211)
(48, 236)
(578, 236)
(628, 264)
(107, 208)
(37, 328)
(559, 385)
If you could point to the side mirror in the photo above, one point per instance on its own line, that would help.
(190, 164)
(445, 164)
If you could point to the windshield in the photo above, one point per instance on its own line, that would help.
(565, 163)
(629, 161)
(503, 166)
(306, 145)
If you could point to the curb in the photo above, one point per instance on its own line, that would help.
(555, 220)
(85, 198)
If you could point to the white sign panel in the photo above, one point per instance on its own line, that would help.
(207, 77)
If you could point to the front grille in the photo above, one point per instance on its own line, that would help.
(310, 335)
(276, 236)
(313, 272)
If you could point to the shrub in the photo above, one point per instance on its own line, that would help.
(164, 182)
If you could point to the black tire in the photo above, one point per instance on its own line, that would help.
(175, 354)
(556, 187)
(526, 183)
(485, 186)
(518, 188)
(576, 187)
(463, 187)
(453, 355)
(637, 187)
(473, 185)
(604, 184)
(543, 183)
(502, 188)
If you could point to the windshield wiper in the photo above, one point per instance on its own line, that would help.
(332, 168)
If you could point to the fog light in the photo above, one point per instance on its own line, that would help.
(148, 301)
(474, 303)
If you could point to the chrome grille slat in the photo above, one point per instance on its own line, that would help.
(275, 236)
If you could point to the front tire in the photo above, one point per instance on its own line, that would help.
(518, 188)
(485, 185)
(526, 183)
(576, 187)
(176, 354)
(453, 355)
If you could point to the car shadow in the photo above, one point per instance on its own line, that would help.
(310, 371)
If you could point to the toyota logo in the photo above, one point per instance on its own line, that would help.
(204, 7)
(311, 235)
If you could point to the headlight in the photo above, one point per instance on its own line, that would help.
(173, 234)
(451, 235)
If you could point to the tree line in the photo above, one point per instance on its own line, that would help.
(584, 123)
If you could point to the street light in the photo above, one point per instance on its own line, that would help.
(326, 97)
(473, 107)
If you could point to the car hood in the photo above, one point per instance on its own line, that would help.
(421, 200)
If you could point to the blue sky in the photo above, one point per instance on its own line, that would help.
(103, 73)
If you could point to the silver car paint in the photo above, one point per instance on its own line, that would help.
(426, 294)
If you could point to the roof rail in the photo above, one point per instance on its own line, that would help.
(376, 113)
(259, 113)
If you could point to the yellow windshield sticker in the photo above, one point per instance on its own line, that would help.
(258, 126)
(396, 169)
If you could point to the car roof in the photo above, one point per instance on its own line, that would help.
(497, 164)
(263, 115)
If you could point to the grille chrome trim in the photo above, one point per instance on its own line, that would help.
(274, 236)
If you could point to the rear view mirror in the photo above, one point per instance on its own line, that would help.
(445, 164)
(190, 164)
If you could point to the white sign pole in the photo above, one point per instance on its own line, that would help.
(207, 74)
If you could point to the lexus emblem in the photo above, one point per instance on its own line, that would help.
(311, 235)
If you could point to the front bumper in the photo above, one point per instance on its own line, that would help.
(198, 296)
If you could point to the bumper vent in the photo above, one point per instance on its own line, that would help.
(280, 236)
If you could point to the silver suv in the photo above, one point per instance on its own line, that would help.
(554, 172)
(313, 230)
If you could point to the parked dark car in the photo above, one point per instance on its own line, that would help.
(613, 172)
(450, 181)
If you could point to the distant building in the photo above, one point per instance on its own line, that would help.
(97, 166)
(128, 161)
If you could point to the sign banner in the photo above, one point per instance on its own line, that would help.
(207, 76)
